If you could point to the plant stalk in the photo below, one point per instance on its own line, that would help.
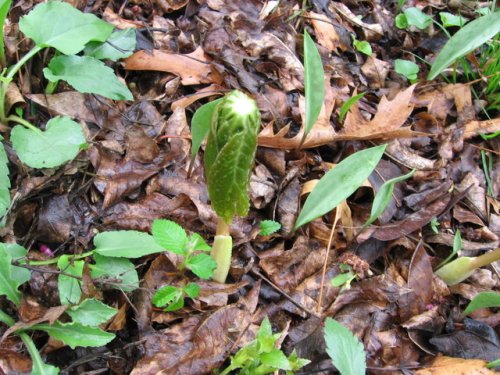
(221, 251)
(485, 259)
(14, 69)
(23, 122)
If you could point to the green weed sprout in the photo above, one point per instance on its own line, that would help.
(228, 161)
(461, 268)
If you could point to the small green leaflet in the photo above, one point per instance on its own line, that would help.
(167, 295)
(314, 83)
(87, 75)
(59, 25)
(126, 244)
(406, 68)
(483, 300)
(61, 141)
(450, 20)
(363, 46)
(170, 236)
(339, 183)
(202, 265)
(8, 284)
(457, 247)
(348, 104)
(119, 45)
(70, 288)
(345, 350)
(192, 290)
(383, 197)
(197, 243)
(91, 312)
(268, 227)
(200, 125)
(467, 39)
(119, 271)
(413, 17)
(76, 334)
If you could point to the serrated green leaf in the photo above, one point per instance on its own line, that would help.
(169, 235)
(75, 334)
(314, 82)
(276, 359)
(59, 25)
(17, 252)
(345, 350)
(383, 197)
(450, 20)
(119, 45)
(192, 290)
(467, 39)
(268, 227)
(91, 312)
(200, 125)
(339, 183)
(119, 270)
(8, 285)
(165, 295)
(70, 288)
(197, 243)
(415, 17)
(61, 141)
(202, 265)
(87, 75)
(483, 300)
(126, 244)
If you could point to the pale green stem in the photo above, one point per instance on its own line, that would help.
(54, 260)
(485, 259)
(14, 69)
(51, 87)
(23, 122)
(221, 251)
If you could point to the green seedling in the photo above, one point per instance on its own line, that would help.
(171, 298)
(435, 225)
(461, 268)
(62, 138)
(483, 300)
(457, 247)
(450, 20)
(413, 17)
(348, 104)
(268, 227)
(407, 68)
(362, 46)
(345, 350)
(261, 356)
(229, 159)
(344, 279)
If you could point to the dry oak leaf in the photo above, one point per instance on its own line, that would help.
(447, 365)
(193, 68)
(325, 32)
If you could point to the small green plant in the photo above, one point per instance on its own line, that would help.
(457, 247)
(345, 350)
(261, 356)
(483, 300)
(268, 227)
(62, 138)
(435, 225)
(344, 279)
(172, 297)
(348, 104)
(407, 68)
(362, 46)
(451, 20)
(413, 17)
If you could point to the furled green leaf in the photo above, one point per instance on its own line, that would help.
(76, 334)
(87, 75)
(119, 45)
(119, 271)
(200, 125)
(314, 82)
(167, 295)
(348, 104)
(192, 290)
(483, 300)
(126, 244)
(383, 197)
(8, 285)
(170, 235)
(467, 39)
(229, 154)
(450, 20)
(70, 288)
(197, 243)
(61, 141)
(91, 312)
(268, 227)
(415, 17)
(339, 183)
(345, 350)
(59, 25)
(406, 68)
(202, 265)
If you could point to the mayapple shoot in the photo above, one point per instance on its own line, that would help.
(229, 159)
(461, 268)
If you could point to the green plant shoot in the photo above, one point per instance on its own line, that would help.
(229, 158)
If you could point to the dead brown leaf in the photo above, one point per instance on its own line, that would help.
(443, 365)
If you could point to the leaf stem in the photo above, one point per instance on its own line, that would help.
(485, 259)
(23, 122)
(14, 69)
(55, 260)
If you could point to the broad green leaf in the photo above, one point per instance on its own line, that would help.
(119, 271)
(59, 25)
(345, 350)
(314, 82)
(202, 265)
(192, 290)
(75, 334)
(169, 235)
(200, 125)
(383, 197)
(415, 17)
(41, 368)
(17, 252)
(348, 104)
(176, 304)
(8, 285)
(119, 45)
(166, 295)
(229, 154)
(70, 288)
(264, 333)
(197, 243)
(126, 244)
(406, 68)
(467, 39)
(276, 358)
(87, 75)
(91, 312)
(268, 227)
(363, 46)
(4, 9)
(450, 20)
(339, 183)
(483, 300)
(61, 141)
